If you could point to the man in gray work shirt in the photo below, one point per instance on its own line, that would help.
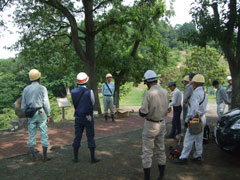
(221, 98)
(35, 99)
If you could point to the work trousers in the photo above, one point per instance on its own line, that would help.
(153, 138)
(39, 120)
(80, 125)
(189, 139)
(176, 123)
(108, 103)
(220, 109)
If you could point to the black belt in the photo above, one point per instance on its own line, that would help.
(154, 121)
(107, 95)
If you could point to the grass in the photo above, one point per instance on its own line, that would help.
(134, 97)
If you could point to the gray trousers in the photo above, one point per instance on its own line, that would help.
(220, 109)
(108, 103)
(185, 108)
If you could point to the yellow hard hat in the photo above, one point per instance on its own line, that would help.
(34, 75)
(198, 78)
(108, 75)
(186, 78)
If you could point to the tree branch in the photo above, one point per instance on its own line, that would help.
(4, 3)
(100, 4)
(74, 28)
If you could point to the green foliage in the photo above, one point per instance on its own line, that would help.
(206, 61)
(6, 115)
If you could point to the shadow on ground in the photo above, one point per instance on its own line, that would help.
(120, 160)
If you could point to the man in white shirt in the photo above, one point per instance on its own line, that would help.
(177, 109)
(197, 105)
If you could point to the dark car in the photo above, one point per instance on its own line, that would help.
(227, 131)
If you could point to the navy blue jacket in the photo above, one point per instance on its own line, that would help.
(85, 106)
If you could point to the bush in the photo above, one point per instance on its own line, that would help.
(6, 116)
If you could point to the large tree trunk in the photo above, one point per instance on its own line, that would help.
(90, 64)
(235, 72)
(117, 92)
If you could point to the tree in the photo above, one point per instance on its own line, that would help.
(220, 21)
(43, 19)
(126, 60)
(206, 61)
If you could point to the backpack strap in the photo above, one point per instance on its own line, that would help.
(80, 97)
(109, 88)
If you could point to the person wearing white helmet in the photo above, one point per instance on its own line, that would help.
(36, 107)
(229, 91)
(107, 92)
(83, 101)
(154, 109)
(221, 98)
(197, 106)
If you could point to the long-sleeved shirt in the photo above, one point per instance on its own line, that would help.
(155, 103)
(187, 92)
(105, 90)
(177, 98)
(221, 96)
(229, 93)
(194, 103)
(91, 92)
(35, 96)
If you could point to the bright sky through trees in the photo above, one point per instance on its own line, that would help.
(10, 36)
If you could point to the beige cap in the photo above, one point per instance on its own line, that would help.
(34, 75)
(186, 78)
(108, 75)
(198, 78)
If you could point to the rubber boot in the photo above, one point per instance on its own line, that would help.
(161, 171)
(146, 173)
(93, 158)
(75, 153)
(45, 158)
(106, 117)
(34, 157)
(113, 120)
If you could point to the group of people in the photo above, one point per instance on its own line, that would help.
(155, 107)
(36, 107)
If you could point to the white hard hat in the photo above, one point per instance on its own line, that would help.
(229, 78)
(150, 76)
(108, 75)
(82, 78)
(34, 75)
(198, 78)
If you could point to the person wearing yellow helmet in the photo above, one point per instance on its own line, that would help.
(197, 107)
(108, 91)
(36, 107)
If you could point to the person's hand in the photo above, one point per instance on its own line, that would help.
(48, 119)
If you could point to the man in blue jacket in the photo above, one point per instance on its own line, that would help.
(83, 100)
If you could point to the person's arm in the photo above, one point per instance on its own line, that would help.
(187, 94)
(143, 111)
(113, 88)
(174, 100)
(103, 85)
(194, 105)
(224, 96)
(92, 97)
(46, 104)
(23, 103)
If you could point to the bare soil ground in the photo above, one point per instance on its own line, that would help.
(120, 160)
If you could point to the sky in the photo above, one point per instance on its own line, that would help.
(181, 8)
